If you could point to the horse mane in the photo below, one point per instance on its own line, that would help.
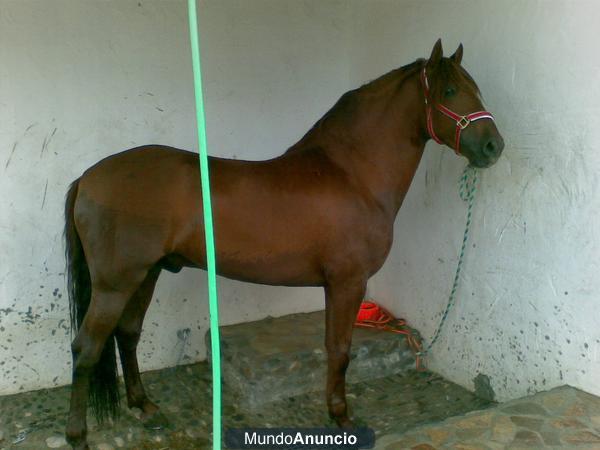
(393, 78)
(349, 103)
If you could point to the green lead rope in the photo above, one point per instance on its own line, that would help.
(208, 228)
(468, 186)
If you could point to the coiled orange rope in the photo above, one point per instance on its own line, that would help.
(372, 315)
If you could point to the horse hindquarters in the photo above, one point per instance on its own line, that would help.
(95, 312)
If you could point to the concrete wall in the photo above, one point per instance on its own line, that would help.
(528, 306)
(80, 80)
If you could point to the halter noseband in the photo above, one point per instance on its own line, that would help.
(462, 122)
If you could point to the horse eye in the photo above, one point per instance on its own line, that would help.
(449, 92)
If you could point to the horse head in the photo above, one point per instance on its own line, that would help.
(454, 110)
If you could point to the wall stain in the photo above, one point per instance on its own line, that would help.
(8, 161)
(483, 387)
(47, 140)
(11, 155)
(45, 192)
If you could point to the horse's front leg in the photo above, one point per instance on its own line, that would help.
(343, 297)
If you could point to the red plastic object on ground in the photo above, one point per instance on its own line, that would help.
(368, 312)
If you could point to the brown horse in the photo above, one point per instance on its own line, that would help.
(321, 214)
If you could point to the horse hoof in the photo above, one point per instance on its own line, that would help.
(155, 421)
(80, 446)
(77, 443)
(344, 422)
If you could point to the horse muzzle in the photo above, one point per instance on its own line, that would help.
(486, 153)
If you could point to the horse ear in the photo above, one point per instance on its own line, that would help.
(457, 56)
(436, 54)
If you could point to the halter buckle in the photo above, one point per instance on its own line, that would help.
(463, 122)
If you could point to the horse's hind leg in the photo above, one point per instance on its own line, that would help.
(343, 298)
(128, 334)
(103, 314)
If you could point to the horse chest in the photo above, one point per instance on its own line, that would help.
(379, 241)
(361, 242)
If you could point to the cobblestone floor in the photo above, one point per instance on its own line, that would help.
(388, 405)
(563, 418)
(417, 411)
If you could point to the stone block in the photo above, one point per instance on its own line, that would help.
(277, 358)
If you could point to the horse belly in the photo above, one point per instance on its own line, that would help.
(267, 262)
(273, 244)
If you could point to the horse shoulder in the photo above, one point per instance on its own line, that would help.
(360, 236)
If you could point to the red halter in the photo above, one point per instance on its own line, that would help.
(462, 122)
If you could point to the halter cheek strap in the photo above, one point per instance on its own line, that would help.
(462, 122)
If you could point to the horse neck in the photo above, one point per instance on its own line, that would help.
(380, 144)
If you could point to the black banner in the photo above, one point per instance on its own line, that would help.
(299, 438)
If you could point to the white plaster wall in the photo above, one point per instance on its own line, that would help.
(528, 306)
(80, 80)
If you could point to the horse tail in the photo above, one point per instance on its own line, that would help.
(104, 393)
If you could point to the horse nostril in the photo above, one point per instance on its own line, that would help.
(491, 148)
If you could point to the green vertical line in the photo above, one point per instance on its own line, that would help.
(208, 228)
